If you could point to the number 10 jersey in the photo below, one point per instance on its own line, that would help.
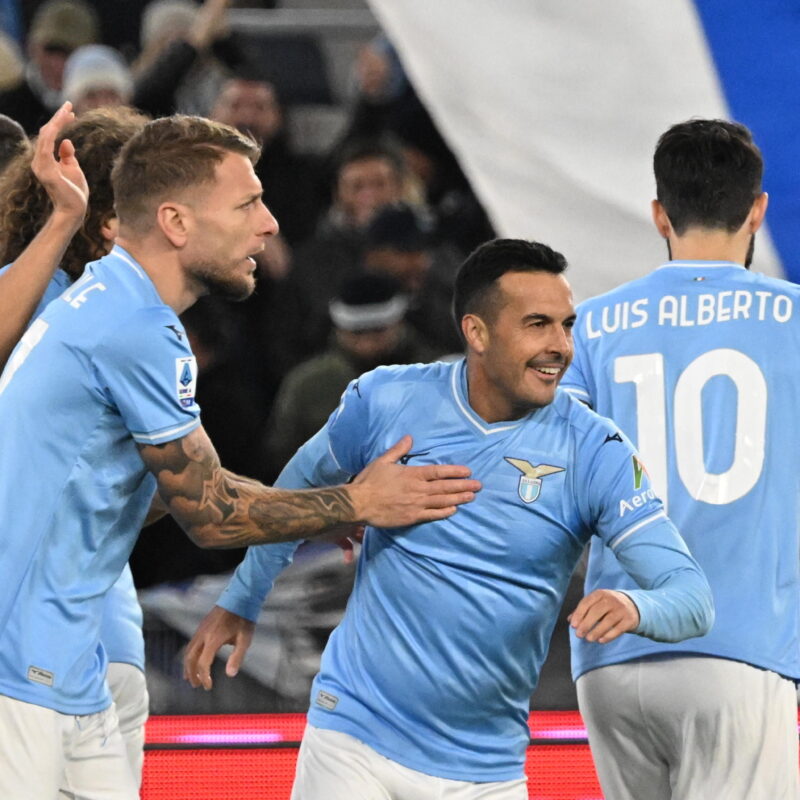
(699, 364)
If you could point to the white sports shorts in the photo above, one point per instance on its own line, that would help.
(131, 701)
(335, 766)
(691, 728)
(45, 755)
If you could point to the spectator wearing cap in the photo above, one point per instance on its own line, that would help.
(400, 244)
(369, 329)
(58, 28)
(13, 140)
(96, 76)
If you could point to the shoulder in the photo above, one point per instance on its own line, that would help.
(589, 428)
(616, 294)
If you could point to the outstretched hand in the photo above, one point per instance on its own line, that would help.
(389, 495)
(603, 615)
(218, 628)
(62, 177)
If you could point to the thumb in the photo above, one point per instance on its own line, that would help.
(397, 451)
(66, 150)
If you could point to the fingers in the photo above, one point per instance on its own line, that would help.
(435, 472)
(235, 659)
(197, 665)
(48, 133)
(604, 615)
(396, 451)
(438, 501)
(66, 151)
(452, 486)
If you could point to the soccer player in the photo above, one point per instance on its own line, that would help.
(49, 244)
(424, 686)
(697, 364)
(97, 412)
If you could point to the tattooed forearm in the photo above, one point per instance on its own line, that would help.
(217, 508)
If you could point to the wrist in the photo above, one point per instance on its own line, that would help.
(359, 502)
(65, 221)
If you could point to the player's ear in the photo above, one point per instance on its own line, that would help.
(174, 221)
(476, 332)
(757, 212)
(109, 229)
(660, 219)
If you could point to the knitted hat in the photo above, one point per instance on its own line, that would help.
(68, 24)
(96, 67)
(367, 302)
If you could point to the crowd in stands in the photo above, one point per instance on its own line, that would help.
(372, 226)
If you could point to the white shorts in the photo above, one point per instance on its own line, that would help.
(129, 690)
(690, 727)
(335, 766)
(45, 755)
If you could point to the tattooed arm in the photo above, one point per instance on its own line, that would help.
(217, 508)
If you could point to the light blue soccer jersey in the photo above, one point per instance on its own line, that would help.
(449, 622)
(105, 366)
(121, 629)
(698, 363)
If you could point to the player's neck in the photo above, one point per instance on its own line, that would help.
(704, 245)
(486, 401)
(164, 270)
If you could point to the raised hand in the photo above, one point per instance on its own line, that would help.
(62, 177)
(388, 495)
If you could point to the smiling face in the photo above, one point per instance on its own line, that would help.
(521, 346)
(227, 225)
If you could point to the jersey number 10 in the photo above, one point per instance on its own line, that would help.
(646, 372)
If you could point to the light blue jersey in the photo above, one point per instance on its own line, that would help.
(698, 363)
(105, 366)
(121, 630)
(449, 622)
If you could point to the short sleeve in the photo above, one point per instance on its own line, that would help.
(146, 369)
(621, 500)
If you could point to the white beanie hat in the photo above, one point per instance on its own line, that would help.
(96, 66)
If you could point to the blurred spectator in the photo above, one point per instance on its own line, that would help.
(368, 330)
(58, 28)
(400, 244)
(13, 140)
(230, 415)
(185, 48)
(96, 76)
(387, 103)
(292, 183)
(369, 176)
(12, 67)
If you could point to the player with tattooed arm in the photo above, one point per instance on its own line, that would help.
(97, 414)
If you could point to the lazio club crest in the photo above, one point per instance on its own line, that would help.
(530, 482)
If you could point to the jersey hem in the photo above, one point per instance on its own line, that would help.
(477, 775)
(168, 434)
(75, 709)
(635, 655)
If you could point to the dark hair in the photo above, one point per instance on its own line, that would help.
(171, 154)
(97, 136)
(384, 147)
(476, 290)
(708, 174)
(13, 140)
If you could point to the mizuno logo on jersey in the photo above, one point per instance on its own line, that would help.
(408, 456)
(39, 675)
(612, 438)
(177, 331)
(530, 483)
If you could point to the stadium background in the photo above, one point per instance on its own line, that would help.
(552, 109)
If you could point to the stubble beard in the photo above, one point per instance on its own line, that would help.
(222, 282)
